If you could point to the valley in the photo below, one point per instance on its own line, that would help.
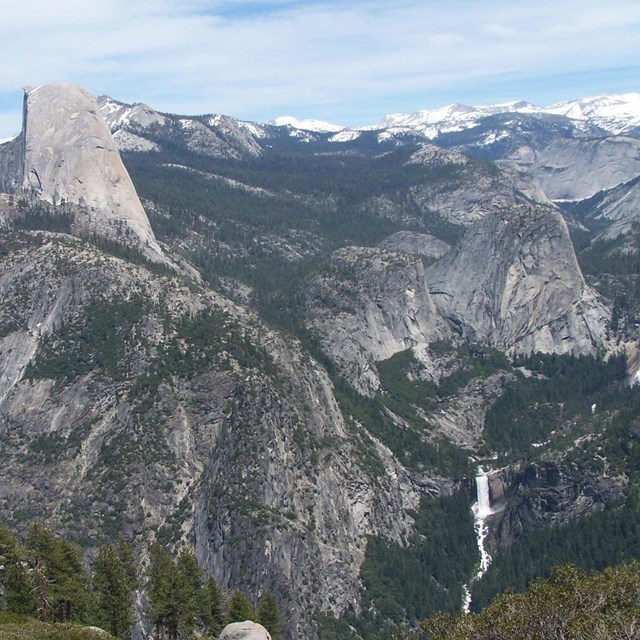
(291, 349)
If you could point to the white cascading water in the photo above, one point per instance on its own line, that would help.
(481, 511)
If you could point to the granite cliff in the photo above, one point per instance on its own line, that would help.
(66, 154)
(299, 402)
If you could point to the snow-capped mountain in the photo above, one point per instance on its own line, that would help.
(319, 126)
(614, 113)
(118, 114)
(453, 117)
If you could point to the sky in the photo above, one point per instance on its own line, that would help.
(349, 62)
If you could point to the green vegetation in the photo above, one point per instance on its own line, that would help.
(619, 256)
(562, 388)
(270, 616)
(269, 225)
(402, 584)
(240, 609)
(409, 444)
(406, 396)
(570, 604)
(596, 541)
(39, 215)
(115, 578)
(15, 578)
(30, 629)
(49, 578)
(94, 340)
(62, 578)
(593, 542)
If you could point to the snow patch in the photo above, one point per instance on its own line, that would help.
(346, 135)
(616, 113)
(453, 117)
(252, 128)
(318, 126)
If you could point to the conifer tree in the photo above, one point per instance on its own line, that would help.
(189, 587)
(16, 585)
(162, 587)
(63, 574)
(269, 615)
(212, 607)
(114, 581)
(240, 609)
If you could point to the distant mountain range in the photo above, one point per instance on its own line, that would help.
(293, 347)
(616, 114)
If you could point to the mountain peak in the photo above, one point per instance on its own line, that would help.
(616, 113)
(453, 117)
(66, 153)
(318, 126)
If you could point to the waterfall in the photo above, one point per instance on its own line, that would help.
(482, 508)
(481, 511)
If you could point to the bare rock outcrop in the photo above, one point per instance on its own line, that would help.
(369, 304)
(579, 168)
(514, 282)
(551, 493)
(66, 154)
(258, 469)
(421, 244)
(218, 136)
(246, 630)
(620, 207)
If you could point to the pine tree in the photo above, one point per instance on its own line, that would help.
(212, 607)
(63, 575)
(16, 584)
(162, 587)
(189, 587)
(240, 609)
(269, 615)
(114, 581)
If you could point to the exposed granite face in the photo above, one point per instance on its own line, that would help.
(464, 191)
(553, 493)
(514, 282)
(66, 154)
(412, 242)
(579, 168)
(368, 304)
(620, 207)
(11, 164)
(254, 463)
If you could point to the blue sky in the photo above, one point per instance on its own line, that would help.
(348, 62)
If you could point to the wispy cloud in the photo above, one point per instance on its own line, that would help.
(349, 62)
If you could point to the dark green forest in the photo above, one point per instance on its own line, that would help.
(48, 578)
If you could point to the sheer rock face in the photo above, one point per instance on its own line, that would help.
(514, 282)
(11, 164)
(464, 191)
(369, 304)
(263, 467)
(547, 494)
(578, 169)
(66, 153)
(414, 243)
(620, 207)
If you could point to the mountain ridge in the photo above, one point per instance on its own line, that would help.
(308, 414)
